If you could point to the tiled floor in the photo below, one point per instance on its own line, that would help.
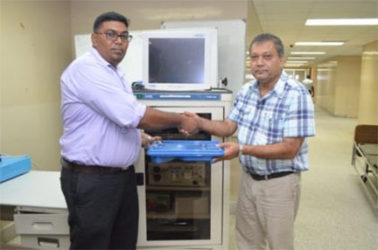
(334, 213)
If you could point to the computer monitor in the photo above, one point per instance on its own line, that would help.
(180, 59)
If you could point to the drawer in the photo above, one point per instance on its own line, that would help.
(46, 241)
(41, 224)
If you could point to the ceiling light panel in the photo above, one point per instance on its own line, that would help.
(295, 62)
(319, 43)
(301, 58)
(308, 53)
(342, 21)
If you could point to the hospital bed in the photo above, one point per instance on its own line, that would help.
(365, 159)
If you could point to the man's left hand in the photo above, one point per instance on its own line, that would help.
(231, 150)
(147, 140)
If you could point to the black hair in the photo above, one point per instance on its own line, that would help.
(109, 16)
(269, 37)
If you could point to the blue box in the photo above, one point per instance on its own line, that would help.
(12, 166)
(169, 150)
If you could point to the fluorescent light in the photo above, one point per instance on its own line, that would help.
(307, 53)
(342, 21)
(325, 70)
(289, 62)
(319, 43)
(293, 63)
(328, 64)
(370, 53)
(300, 58)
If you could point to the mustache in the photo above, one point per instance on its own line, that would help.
(118, 48)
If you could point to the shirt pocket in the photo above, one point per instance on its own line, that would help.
(247, 115)
(276, 128)
(270, 129)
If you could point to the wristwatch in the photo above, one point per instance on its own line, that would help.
(241, 146)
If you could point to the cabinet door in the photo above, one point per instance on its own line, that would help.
(181, 203)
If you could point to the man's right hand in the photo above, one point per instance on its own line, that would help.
(218, 128)
(189, 124)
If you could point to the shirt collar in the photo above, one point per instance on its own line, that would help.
(279, 87)
(99, 58)
(105, 63)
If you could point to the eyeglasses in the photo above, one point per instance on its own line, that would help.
(113, 36)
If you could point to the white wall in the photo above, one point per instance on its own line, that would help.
(146, 14)
(368, 101)
(35, 48)
(338, 84)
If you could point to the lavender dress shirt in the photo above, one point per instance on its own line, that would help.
(100, 114)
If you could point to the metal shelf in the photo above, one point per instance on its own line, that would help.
(365, 162)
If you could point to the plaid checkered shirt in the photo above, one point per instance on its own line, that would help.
(286, 111)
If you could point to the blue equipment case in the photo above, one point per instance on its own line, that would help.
(12, 166)
(169, 150)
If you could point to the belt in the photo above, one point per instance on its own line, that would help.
(257, 177)
(91, 169)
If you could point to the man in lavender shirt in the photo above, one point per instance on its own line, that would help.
(101, 141)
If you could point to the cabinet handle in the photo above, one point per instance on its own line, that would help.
(48, 242)
(42, 225)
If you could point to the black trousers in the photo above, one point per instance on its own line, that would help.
(103, 209)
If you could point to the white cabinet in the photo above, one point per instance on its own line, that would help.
(184, 203)
(38, 230)
(41, 214)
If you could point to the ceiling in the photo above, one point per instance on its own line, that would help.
(286, 19)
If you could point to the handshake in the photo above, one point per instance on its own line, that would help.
(191, 123)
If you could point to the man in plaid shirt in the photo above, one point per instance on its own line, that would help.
(274, 115)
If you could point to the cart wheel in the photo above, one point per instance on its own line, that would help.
(363, 178)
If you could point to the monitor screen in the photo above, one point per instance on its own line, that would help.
(180, 59)
(176, 60)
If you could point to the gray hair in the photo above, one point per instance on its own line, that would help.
(269, 37)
